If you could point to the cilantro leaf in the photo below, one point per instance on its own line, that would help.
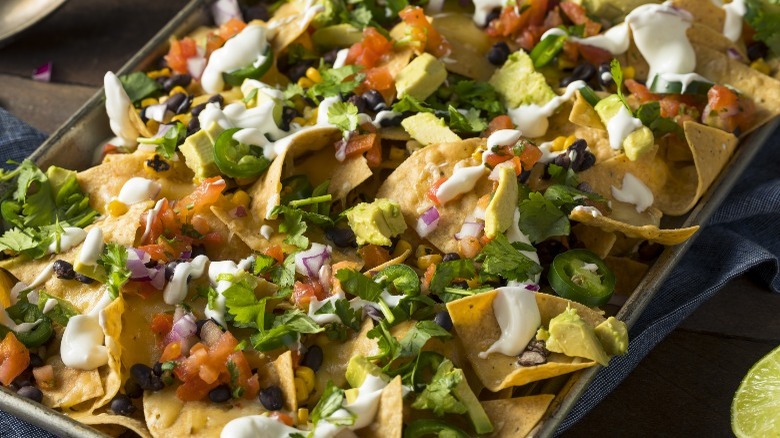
(341, 308)
(335, 81)
(446, 272)
(438, 395)
(114, 261)
(401, 278)
(411, 104)
(501, 258)
(18, 241)
(138, 86)
(617, 76)
(357, 284)
(242, 305)
(284, 275)
(61, 313)
(344, 115)
(330, 402)
(479, 95)
(466, 123)
(540, 218)
(263, 264)
(764, 17)
(410, 345)
(286, 329)
(568, 197)
(650, 115)
(168, 142)
(294, 226)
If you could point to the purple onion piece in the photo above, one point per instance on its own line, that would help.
(734, 54)
(309, 262)
(224, 10)
(156, 112)
(43, 72)
(427, 222)
(532, 287)
(196, 65)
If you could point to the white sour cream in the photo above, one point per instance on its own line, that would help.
(118, 107)
(341, 58)
(325, 318)
(83, 340)
(138, 189)
(518, 316)
(615, 40)
(92, 248)
(532, 119)
(634, 191)
(256, 425)
(732, 26)
(71, 237)
(514, 234)
(462, 181)
(482, 8)
(150, 216)
(620, 126)
(176, 289)
(503, 137)
(246, 48)
(364, 408)
(266, 231)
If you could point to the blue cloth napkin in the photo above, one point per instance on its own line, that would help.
(740, 237)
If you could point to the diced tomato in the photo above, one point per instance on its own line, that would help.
(428, 276)
(570, 51)
(594, 55)
(498, 123)
(530, 155)
(179, 52)
(213, 42)
(203, 197)
(370, 50)
(727, 110)
(576, 14)
(378, 78)
(276, 252)
(14, 358)
(230, 28)
(143, 289)
(303, 292)
(722, 99)
(431, 193)
(245, 379)
(205, 368)
(172, 351)
(282, 417)
(374, 155)
(360, 143)
(195, 389)
(162, 323)
(494, 159)
(510, 23)
(373, 255)
(640, 91)
(423, 31)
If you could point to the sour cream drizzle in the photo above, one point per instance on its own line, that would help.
(518, 316)
(615, 40)
(176, 289)
(71, 237)
(620, 126)
(532, 119)
(138, 189)
(150, 216)
(634, 191)
(732, 26)
(92, 248)
(118, 107)
(246, 48)
(256, 425)
(83, 340)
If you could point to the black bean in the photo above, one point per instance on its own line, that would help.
(170, 268)
(330, 56)
(193, 126)
(313, 358)
(494, 14)
(174, 102)
(145, 378)
(288, 114)
(24, 379)
(359, 102)
(566, 81)
(218, 99)
(498, 54)
(649, 251)
(158, 164)
(585, 187)
(272, 398)
(196, 110)
(584, 72)
(461, 284)
(83, 278)
(523, 177)
(757, 50)
(548, 249)
(64, 270)
(122, 405)
(579, 156)
(450, 256)
(132, 389)
(374, 100)
(257, 11)
(342, 237)
(443, 319)
(220, 394)
(391, 121)
(35, 361)
(562, 160)
(31, 392)
(198, 250)
(176, 80)
(605, 75)
(298, 70)
(157, 369)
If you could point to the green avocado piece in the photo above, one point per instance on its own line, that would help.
(638, 143)
(359, 367)
(58, 176)
(421, 77)
(613, 336)
(336, 36)
(429, 129)
(572, 336)
(198, 151)
(518, 83)
(608, 107)
(501, 210)
(376, 222)
(95, 272)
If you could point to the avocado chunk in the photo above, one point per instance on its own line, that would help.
(377, 222)
(449, 392)
(359, 367)
(501, 210)
(421, 77)
(518, 83)
(198, 151)
(339, 35)
(95, 272)
(613, 336)
(571, 335)
(58, 177)
(429, 129)
(638, 142)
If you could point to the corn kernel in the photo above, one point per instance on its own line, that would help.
(565, 63)
(558, 144)
(314, 75)
(148, 101)
(183, 118)
(425, 261)
(305, 82)
(117, 208)
(152, 125)
(401, 247)
(197, 100)
(477, 155)
(397, 154)
(760, 65)
(423, 250)
(629, 72)
(569, 141)
(177, 89)
(163, 72)
(301, 393)
(303, 415)
(307, 375)
(241, 198)
(473, 283)
(299, 120)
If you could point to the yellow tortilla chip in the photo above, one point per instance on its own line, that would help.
(71, 386)
(289, 22)
(336, 357)
(669, 236)
(561, 125)
(394, 261)
(653, 171)
(476, 325)
(469, 45)
(343, 175)
(137, 331)
(284, 372)
(389, 419)
(583, 114)
(598, 241)
(408, 184)
(628, 273)
(111, 374)
(704, 13)
(110, 419)
(703, 35)
(516, 417)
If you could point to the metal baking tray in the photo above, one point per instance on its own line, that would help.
(73, 145)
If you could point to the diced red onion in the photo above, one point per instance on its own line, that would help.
(734, 54)
(186, 255)
(224, 10)
(310, 261)
(532, 287)
(196, 65)
(239, 211)
(43, 73)
(158, 278)
(427, 222)
(325, 274)
(470, 229)
(183, 327)
(156, 112)
(136, 263)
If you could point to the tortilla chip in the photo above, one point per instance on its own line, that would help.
(702, 35)
(408, 184)
(394, 261)
(704, 13)
(167, 416)
(389, 419)
(628, 273)
(343, 175)
(71, 387)
(598, 241)
(110, 419)
(653, 171)
(234, 248)
(516, 417)
(289, 22)
(469, 46)
(597, 139)
(476, 325)
(668, 236)
(283, 368)
(583, 114)
(336, 358)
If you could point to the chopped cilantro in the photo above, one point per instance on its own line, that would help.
(330, 402)
(446, 272)
(438, 395)
(114, 261)
(567, 197)
(357, 284)
(61, 313)
(139, 86)
(499, 257)
(335, 81)
(168, 142)
(650, 115)
(410, 345)
(617, 76)
(346, 314)
(344, 115)
(294, 226)
(466, 123)
(411, 104)
(242, 304)
(764, 17)
(286, 329)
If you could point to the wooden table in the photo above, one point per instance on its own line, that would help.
(683, 388)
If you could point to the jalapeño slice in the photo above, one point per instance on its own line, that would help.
(546, 49)
(236, 77)
(581, 276)
(663, 86)
(236, 159)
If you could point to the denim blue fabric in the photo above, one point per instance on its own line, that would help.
(741, 237)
